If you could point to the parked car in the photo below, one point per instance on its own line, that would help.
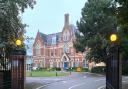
(35, 68)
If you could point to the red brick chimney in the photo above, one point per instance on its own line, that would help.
(66, 19)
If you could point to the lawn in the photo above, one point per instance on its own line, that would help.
(45, 73)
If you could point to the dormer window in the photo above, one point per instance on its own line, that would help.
(54, 40)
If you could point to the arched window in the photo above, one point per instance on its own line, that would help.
(54, 40)
(66, 35)
(38, 50)
(66, 49)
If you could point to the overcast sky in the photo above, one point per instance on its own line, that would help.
(48, 15)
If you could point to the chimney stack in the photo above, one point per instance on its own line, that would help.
(66, 19)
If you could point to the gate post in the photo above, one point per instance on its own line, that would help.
(18, 68)
(114, 66)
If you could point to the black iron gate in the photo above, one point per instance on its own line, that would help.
(5, 79)
(12, 70)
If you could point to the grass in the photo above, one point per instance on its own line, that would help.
(45, 73)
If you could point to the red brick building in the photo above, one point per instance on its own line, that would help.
(56, 50)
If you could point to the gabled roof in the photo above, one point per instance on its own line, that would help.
(48, 38)
(43, 36)
(73, 28)
(66, 56)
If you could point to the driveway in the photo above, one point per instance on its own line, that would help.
(73, 81)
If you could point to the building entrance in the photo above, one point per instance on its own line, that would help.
(66, 65)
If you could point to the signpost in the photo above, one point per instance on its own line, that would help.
(78, 69)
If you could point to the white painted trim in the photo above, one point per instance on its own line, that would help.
(44, 62)
(101, 87)
(42, 86)
(57, 64)
(63, 57)
(76, 85)
(38, 57)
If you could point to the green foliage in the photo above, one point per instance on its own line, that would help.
(119, 9)
(11, 26)
(125, 69)
(74, 69)
(95, 27)
(55, 69)
(122, 17)
(41, 69)
(84, 69)
(100, 69)
(77, 44)
(122, 11)
(45, 73)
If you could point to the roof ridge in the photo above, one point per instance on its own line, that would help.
(54, 33)
(42, 33)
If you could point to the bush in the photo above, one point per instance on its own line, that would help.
(125, 69)
(99, 69)
(55, 69)
(75, 69)
(58, 69)
(84, 69)
(72, 69)
(41, 69)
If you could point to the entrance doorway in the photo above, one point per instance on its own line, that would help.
(65, 60)
(66, 66)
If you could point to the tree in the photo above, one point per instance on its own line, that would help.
(122, 10)
(122, 18)
(95, 27)
(11, 26)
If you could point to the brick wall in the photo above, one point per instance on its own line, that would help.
(57, 49)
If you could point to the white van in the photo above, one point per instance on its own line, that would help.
(35, 68)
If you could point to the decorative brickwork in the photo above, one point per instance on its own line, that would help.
(56, 50)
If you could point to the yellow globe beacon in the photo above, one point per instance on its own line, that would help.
(18, 42)
(113, 37)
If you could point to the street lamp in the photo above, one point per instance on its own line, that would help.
(113, 37)
(18, 42)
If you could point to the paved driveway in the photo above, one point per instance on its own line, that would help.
(74, 81)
